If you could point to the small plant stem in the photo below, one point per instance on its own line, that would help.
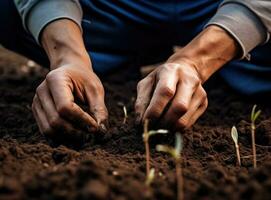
(147, 159)
(253, 145)
(179, 179)
(238, 155)
(125, 115)
(147, 148)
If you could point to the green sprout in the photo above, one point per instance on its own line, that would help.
(234, 135)
(146, 135)
(150, 177)
(254, 115)
(175, 152)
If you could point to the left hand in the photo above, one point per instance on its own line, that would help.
(173, 94)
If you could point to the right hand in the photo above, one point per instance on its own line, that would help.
(54, 104)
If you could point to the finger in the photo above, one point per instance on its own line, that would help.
(61, 91)
(40, 117)
(48, 107)
(144, 91)
(198, 113)
(198, 99)
(162, 95)
(181, 102)
(95, 100)
(59, 133)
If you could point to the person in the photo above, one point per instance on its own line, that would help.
(80, 40)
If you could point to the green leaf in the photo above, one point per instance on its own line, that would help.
(159, 131)
(163, 148)
(166, 149)
(234, 134)
(253, 113)
(257, 115)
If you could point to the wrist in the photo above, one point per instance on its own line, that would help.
(208, 52)
(63, 43)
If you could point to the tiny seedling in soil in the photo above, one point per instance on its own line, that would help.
(125, 114)
(234, 135)
(146, 135)
(254, 115)
(175, 152)
(150, 177)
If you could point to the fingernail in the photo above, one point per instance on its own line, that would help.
(102, 127)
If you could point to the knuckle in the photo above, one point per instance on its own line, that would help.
(52, 75)
(47, 131)
(137, 106)
(100, 89)
(196, 81)
(167, 92)
(64, 109)
(182, 123)
(180, 107)
(95, 87)
(39, 89)
(205, 103)
(203, 94)
(140, 84)
(55, 122)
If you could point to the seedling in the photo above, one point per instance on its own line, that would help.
(146, 135)
(175, 152)
(125, 114)
(254, 115)
(234, 135)
(150, 177)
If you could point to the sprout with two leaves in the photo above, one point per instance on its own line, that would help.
(146, 135)
(234, 135)
(175, 152)
(254, 115)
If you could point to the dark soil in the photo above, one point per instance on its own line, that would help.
(112, 165)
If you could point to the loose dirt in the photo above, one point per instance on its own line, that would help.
(112, 165)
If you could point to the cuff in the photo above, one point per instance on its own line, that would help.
(242, 24)
(47, 11)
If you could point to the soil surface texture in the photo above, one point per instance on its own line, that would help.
(111, 165)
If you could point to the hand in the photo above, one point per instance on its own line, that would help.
(172, 93)
(54, 107)
(71, 77)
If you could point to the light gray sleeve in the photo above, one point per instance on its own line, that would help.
(36, 14)
(248, 21)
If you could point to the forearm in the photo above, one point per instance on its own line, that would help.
(208, 52)
(63, 43)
